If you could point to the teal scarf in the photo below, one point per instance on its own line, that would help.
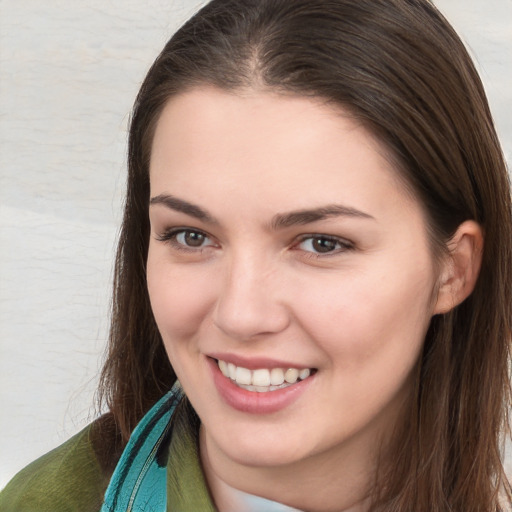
(139, 480)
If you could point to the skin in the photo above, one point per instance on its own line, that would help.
(357, 313)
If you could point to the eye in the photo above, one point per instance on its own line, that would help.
(323, 244)
(186, 239)
(191, 238)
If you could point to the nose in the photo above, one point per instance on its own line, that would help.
(251, 301)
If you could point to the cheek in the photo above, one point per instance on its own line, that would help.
(180, 297)
(372, 338)
(367, 321)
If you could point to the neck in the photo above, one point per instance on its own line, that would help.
(339, 483)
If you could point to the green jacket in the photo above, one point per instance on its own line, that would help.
(67, 479)
(74, 477)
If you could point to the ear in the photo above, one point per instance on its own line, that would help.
(460, 267)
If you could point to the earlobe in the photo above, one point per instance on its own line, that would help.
(461, 267)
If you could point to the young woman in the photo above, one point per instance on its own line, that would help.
(317, 246)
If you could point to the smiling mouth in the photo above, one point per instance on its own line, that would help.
(263, 380)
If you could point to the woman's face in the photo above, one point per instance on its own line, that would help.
(283, 246)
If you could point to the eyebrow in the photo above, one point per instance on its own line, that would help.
(182, 206)
(300, 217)
(279, 221)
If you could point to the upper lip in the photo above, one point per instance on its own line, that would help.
(255, 363)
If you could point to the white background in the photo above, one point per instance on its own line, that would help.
(69, 72)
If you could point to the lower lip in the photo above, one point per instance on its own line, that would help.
(255, 402)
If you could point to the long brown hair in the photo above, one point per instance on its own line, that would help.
(399, 68)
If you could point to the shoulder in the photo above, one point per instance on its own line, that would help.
(70, 478)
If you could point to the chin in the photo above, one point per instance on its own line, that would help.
(265, 446)
(272, 455)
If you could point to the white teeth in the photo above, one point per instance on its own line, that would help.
(262, 380)
(291, 375)
(261, 377)
(224, 368)
(276, 376)
(243, 376)
(304, 374)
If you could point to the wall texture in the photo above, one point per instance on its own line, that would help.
(69, 72)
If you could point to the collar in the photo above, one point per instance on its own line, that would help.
(186, 486)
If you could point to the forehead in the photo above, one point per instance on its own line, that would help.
(268, 146)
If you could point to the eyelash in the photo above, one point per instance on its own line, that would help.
(171, 235)
(343, 245)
